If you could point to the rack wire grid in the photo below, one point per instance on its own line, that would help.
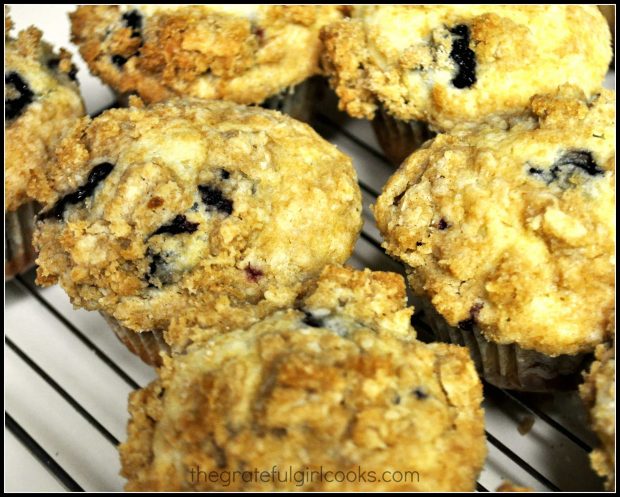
(67, 377)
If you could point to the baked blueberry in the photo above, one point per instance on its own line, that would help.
(18, 95)
(178, 225)
(133, 20)
(213, 198)
(463, 56)
(96, 176)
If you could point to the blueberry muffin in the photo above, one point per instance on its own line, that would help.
(599, 395)
(249, 54)
(507, 230)
(333, 394)
(202, 211)
(41, 99)
(444, 64)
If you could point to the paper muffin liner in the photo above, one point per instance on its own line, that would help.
(399, 139)
(506, 366)
(148, 345)
(19, 255)
(297, 101)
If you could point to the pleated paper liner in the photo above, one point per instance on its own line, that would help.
(148, 345)
(19, 255)
(298, 101)
(507, 366)
(399, 139)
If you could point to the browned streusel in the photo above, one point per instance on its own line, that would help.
(32, 128)
(599, 395)
(324, 385)
(417, 61)
(240, 53)
(210, 213)
(511, 223)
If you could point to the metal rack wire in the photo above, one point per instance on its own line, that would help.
(553, 456)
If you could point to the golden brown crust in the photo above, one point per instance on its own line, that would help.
(497, 224)
(267, 204)
(288, 394)
(31, 136)
(244, 54)
(599, 396)
(400, 57)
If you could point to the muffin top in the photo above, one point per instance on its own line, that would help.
(204, 211)
(41, 100)
(511, 223)
(243, 53)
(445, 64)
(338, 384)
(599, 395)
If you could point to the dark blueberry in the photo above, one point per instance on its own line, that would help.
(96, 176)
(311, 320)
(442, 224)
(396, 399)
(570, 163)
(463, 56)
(119, 60)
(475, 309)
(159, 268)
(73, 73)
(213, 197)
(133, 20)
(224, 174)
(578, 159)
(13, 107)
(253, 274)
(178, 225)
(419, 244)
(156, 261)
(419, 393)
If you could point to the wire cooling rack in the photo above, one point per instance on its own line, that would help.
(67, 377)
